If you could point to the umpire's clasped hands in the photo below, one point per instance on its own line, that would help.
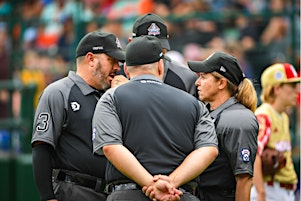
(162, 189)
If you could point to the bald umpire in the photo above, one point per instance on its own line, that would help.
(146, 128)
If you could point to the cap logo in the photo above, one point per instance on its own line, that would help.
(279, 75)
(118, 43)
(97, 48)
(222, 69)
(153, 30)
(210, 56)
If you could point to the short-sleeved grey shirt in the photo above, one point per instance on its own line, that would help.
(237, 131)
(63, 119)
(158, 123)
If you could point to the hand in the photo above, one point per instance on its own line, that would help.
(118, 80)
(162, 189)
(147, 190)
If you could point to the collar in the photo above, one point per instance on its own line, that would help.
(226, 104)
(166, 64)
(80, 82)
(146, 77)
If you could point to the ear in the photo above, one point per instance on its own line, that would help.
(125, 69)
(89, 57)
(161, 68)
(276, 88)
(222, 83)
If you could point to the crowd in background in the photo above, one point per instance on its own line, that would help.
(38, 37)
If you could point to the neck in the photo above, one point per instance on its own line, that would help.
(219, 100)
(279, 107)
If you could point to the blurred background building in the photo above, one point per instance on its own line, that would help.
(38, 40)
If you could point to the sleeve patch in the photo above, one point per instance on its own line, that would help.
(245, 155)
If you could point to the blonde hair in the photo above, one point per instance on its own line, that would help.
(268, 94)
(244, 93)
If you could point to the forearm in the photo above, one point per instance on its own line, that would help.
(42, 170)
(193, 165)
(127, 164)
(258, 181)
(243, 187)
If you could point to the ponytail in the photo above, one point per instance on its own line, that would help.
(246, 94)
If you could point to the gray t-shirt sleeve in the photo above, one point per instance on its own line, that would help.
(49, 116)
(205, 134)
(239, 139)
(106, 125)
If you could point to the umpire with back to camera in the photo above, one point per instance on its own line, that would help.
(149, 130)
(61, 141)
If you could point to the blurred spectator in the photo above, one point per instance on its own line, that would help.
(4, 69)
(275, 38)
(31, 11)
(5, 8)
(53, 15)
(234, 48)
(4, 52)
(31, 74)
(192, 52)
(275, 34)
(66, 40)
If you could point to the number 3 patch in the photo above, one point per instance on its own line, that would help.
(43, 122)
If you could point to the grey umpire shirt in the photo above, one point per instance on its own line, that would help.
(158, 123)
(237, 131)
(63, 119)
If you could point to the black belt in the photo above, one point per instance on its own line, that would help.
(111, 187)
(80, 179)
(121, 187)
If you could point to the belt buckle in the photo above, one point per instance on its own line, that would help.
(126, 186)
(68, 179)
(122, 187)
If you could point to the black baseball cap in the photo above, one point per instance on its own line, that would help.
(152, 25)
(100, 42)
(144, 50)
(224, 64)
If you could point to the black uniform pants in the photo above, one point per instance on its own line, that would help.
(209, 194)
(72, 192)
(138, 195)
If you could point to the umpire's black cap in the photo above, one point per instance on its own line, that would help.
(224, 64)
(100, 42)
(144, 50)
(152, 25)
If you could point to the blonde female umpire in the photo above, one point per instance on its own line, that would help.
(232, 101)
(62, 144)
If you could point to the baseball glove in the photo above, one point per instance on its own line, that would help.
(272, 161)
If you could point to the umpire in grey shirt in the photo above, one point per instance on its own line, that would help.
(146, 128)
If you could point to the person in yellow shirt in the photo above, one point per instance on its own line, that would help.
(30, 74)
(280, 87)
